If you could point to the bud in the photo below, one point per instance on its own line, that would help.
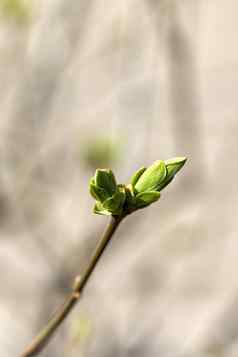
(130, 201)
(146, 184)
(175, 164)
(137, 175)
(114, 203)
(109, 196)
(172, 166)
(99, 209)
(144, 189)
(97, 192)
(151, 178)
(146, 198)
(105, 179)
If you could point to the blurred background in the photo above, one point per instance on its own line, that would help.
(92, 83)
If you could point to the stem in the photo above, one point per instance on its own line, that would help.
(47, 332)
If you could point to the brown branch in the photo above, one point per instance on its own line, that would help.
(47, 332)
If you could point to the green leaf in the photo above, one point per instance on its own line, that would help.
(172, 167)
(98, 193)
(175, 164)
(146, 198)
(165, 183)
(98, 209)
(130, 202)
(112, 205)
(105, 179)
(152, 177)
(115, 203)
(137, 175)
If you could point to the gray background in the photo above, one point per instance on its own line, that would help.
(161, 79)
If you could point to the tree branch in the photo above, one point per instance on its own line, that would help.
(47, 332)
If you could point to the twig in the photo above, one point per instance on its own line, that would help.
(118, 201)
(47, 332)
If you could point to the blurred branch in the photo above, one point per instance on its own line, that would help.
(100, 151)
(80, 282)
(18, 10)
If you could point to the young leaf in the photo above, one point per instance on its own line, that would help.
(115, 203)
(172, 167)
(98, 209)
(97, 192)
(137, 175)
(152, 177)
(146, 198)
(105, 179)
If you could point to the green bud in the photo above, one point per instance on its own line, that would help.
(105, 179)
(146, 198)
(151, 177)
(175, 164)
(109, 196)
(99, 209)
(137, 175)
(172, 167)
(144, 189)
(97, 192)
(115, 203)
(130, 201)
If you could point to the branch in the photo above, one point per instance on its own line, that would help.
(118, 201)
(47, 332)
